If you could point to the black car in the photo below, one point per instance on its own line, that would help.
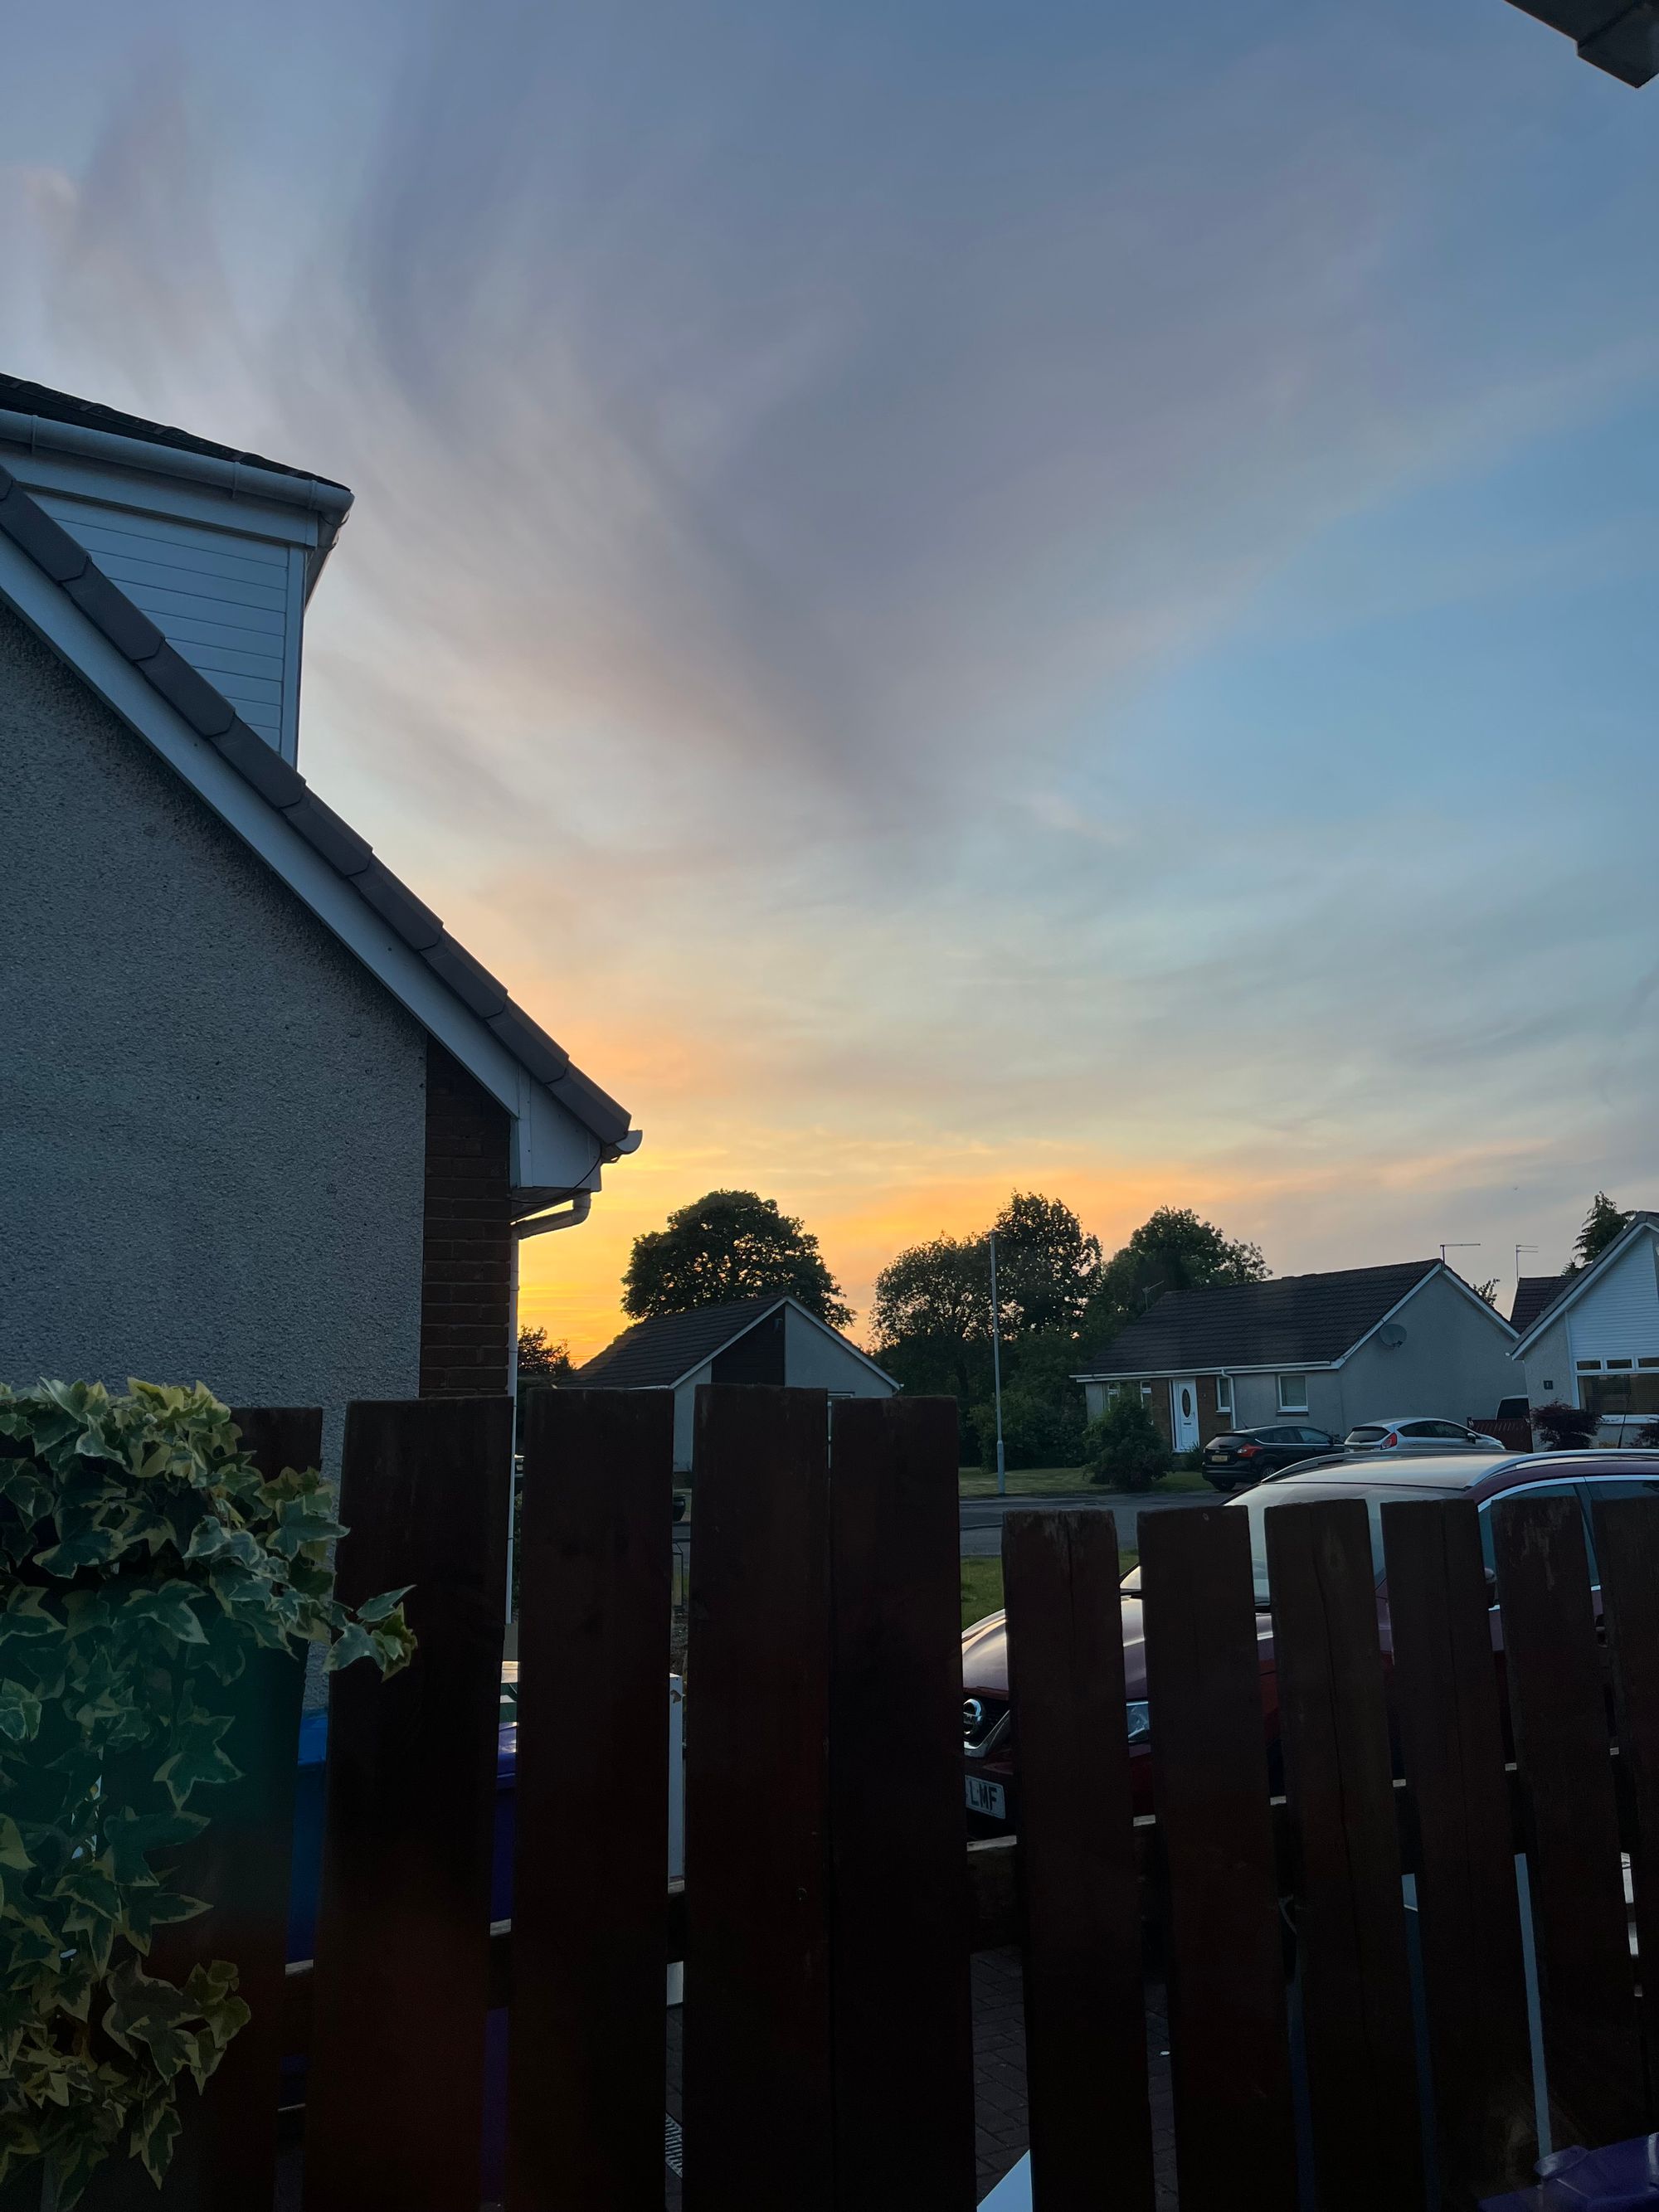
(1244, 1456)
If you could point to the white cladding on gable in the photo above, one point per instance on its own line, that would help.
(1618, 1317)
(231, 604)
(222, 574)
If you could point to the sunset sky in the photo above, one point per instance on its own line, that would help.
(957, 596)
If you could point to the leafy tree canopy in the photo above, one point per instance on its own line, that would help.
(1047, 1266)
(1603, 1225)
(540, 1361)
(726, 1245)
(1174, 1250)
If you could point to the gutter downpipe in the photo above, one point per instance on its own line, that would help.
(539, 1225)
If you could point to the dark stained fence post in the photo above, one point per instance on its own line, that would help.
(1086, 2021)
(586, 2054)
(395, 2086)
(1234, 2142)
(758, 2114)
(1351, 1921)
(903, 2026)
(226, 2154)
(1627, 1549)
(1451, 1730)
(1592, 2046)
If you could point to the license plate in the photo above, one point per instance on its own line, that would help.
(986, 1797)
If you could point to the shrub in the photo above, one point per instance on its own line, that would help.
(1564, 1427)
(1040, 1428)
(142, 1557)
(1127, 1448)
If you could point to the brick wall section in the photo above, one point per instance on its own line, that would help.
(467, 1260)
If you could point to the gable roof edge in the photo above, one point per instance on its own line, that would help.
(307, 845)
(1435, 1268)
(1642, 1221)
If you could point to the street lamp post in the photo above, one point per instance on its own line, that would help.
(996, 1371)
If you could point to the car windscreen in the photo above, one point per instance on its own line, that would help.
(1258, 1502)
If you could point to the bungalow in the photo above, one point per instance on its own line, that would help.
(1329, 1351)
(1592, 1337)
(772, 1339)
(262, 1121)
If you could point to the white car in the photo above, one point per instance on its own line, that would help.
(1417, 1434)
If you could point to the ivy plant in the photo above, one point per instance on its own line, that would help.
(142, 1559)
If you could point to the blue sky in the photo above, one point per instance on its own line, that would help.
(960, 596)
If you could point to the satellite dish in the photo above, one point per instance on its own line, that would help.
(1391, 1336)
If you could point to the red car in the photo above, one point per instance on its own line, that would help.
(987, 1746)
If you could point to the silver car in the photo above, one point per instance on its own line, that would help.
(1417, 1434)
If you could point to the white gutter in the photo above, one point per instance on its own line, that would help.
(565, 1217)
(241, 479)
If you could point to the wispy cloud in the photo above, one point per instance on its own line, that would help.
(798, 452)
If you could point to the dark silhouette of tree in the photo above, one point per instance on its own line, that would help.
(726, 1245)
(1603, 1225)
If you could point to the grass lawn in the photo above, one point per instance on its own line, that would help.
(981, 1585)
(1045, 1481)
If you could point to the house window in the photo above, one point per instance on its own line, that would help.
(1618, 1362)
(1589, 1366)
(1223, 1395)
(1292, 1393)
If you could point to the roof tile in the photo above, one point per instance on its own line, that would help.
(546, 1061)
(656, 1353)
(208, 713)
(322, 828)
(261, 765)
(394, 903)
(471, 981)
(46, 543)
(1290, 1321)
(128, 629)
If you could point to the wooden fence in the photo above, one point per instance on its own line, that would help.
(830, 1905)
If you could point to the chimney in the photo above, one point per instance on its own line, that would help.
(220, 549)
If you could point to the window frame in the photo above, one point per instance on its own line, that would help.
(1223, 1405)
(1289, 1405)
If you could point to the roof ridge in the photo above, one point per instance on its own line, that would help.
(211, 716)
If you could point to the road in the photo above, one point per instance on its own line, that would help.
(980, 1518)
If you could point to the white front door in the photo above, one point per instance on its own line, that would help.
(1183, 1414)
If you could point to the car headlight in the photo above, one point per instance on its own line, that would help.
(1139, 1728)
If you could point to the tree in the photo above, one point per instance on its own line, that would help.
(1127, 1448)
(1488, 1289)
(729, 1244)
(540, 1361)
(1173, 1249)
(1603, 1225)
(932, 1315)
(1048, 1267)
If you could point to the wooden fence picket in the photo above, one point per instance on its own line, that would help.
(586, 2052)
(1627, 1552)
(1085, 2018)
(901, 2007)
(1592, 2042)
(1235, 2140)
(1349, 1904)
(1451, 1729)
(395, 2086)
(759, 2118)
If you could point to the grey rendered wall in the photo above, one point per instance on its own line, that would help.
(1454, 1362)
(1548, 1368)
(685, 1413)
(815, 1361)
(211, 1117)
